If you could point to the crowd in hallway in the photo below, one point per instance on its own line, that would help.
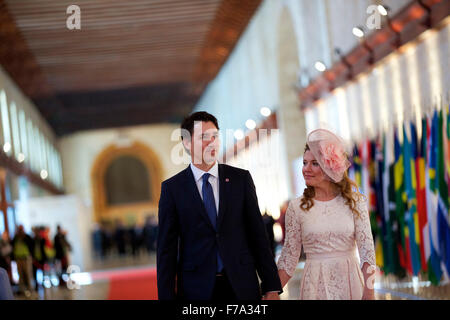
(117, 239)
(35, 260)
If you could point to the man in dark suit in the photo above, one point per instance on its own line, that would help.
(212, 243)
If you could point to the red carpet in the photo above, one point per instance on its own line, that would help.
(133, 284)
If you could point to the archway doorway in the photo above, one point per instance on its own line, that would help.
(126, 183)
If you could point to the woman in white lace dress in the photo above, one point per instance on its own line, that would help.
(331, 221)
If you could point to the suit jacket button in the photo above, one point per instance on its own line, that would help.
(217, 235)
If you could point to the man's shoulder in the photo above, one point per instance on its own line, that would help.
(176, 178)
(233, 170)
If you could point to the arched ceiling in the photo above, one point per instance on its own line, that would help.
(132, 62)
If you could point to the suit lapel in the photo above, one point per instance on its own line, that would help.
(224, 185)
(192, 193)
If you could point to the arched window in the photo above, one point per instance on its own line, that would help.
(15, 129)
(127, 181)
(7, 146)
(23, 135)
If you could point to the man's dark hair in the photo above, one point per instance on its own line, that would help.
(188, 122)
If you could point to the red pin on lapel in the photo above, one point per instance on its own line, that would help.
(227, 180)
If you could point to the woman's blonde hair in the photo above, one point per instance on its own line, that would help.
(347, 188)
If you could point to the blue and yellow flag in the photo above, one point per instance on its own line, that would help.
(434, 259)
(443, 203)
(400, 206)
(393, 235)
(411, 215)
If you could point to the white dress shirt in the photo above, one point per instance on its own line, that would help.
(213, 180)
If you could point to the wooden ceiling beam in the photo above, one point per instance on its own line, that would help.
(17, 59)
(147, 49)
(231, 20)
(48, 40)
(163, 6)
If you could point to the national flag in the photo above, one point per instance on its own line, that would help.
(356, 165)
(421, 196)
(376, 199)
(365, 160)
(411, 217)
(443, 203)
(400, 206)
(447, 130)
(395, 252)
(391, 233)
(434, 260)
(411, 181)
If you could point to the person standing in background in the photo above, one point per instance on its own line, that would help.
(39, 256)
(62, 248)
(281, 220)
(133, 235)
(22, 253)
(107, 239)
(97, 241)
(154, 223)
(149, 234)
(269, 223)
(120, 238)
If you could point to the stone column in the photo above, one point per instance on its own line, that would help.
(291, 120)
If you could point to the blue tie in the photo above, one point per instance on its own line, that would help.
(210, 206)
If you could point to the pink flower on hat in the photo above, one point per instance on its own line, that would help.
(333, 156)
(329, 151)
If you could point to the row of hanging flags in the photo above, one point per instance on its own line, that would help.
(407, 183)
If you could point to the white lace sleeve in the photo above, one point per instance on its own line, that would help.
(363, 235)
(292, 242)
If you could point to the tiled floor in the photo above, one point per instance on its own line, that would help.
(94, 286)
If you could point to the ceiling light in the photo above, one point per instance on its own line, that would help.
(44, 174)
(21, 157)
(239, 134)
(265, 111)
(382, 10)
(358, 31)
(7, 147)
(320, 66)
(250, 124)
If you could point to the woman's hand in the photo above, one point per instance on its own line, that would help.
(369, 273)
(284, 277)
(368, 294)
